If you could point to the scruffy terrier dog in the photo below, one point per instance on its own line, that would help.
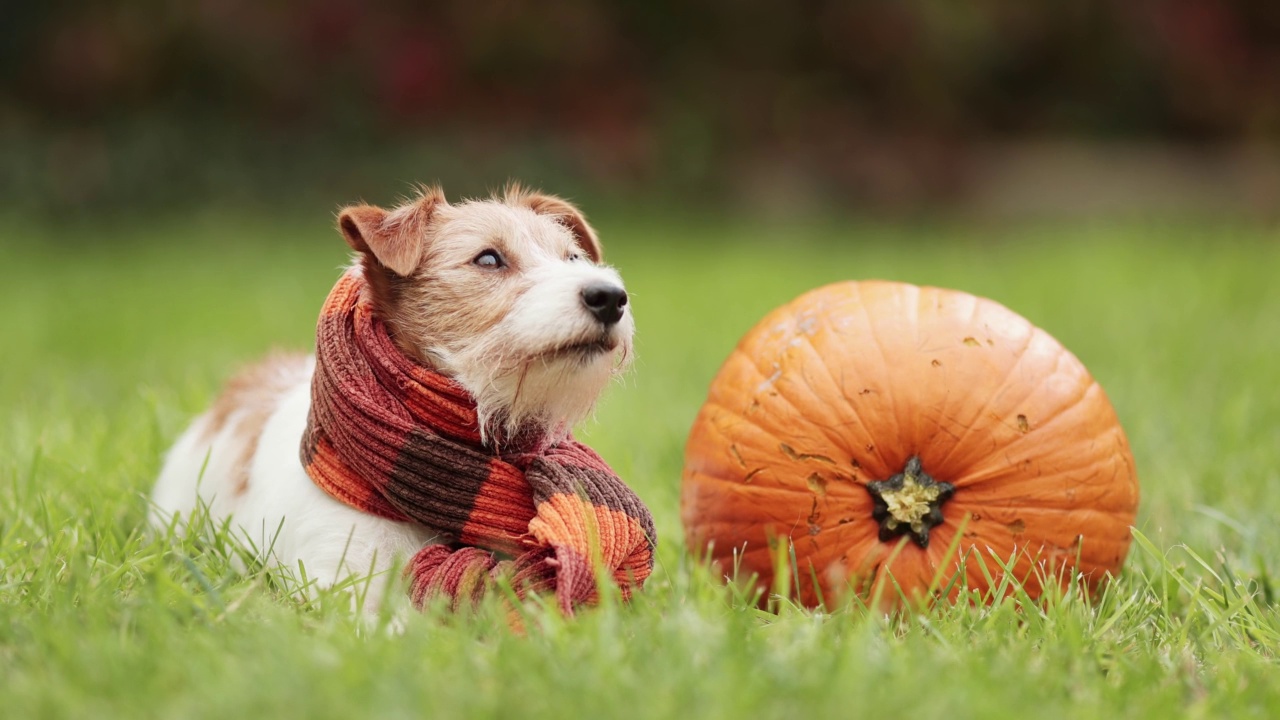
(506, 296)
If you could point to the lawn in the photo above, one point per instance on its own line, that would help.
(115, 334)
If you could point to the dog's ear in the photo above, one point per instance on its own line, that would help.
(567, 215)
(396, 237)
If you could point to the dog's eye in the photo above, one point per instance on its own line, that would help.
(490, 260)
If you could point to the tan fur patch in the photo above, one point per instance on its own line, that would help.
(247, 402)
(562, 211)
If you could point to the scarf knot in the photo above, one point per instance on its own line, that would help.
(391, 437)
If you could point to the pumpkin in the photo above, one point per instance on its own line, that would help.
(884, 431)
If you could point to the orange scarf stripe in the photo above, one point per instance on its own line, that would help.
(331, 476)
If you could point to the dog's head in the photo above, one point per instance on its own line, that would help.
(508, 296)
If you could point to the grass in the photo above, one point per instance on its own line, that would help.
(114, 336)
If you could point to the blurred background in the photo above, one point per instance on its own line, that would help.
(878, 107)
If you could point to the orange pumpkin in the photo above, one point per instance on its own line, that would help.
(869, 423)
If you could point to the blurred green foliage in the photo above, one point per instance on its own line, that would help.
(117, 101)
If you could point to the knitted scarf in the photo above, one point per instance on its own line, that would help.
(391, 437)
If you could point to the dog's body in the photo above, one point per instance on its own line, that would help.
(242, 462)
(506, 296)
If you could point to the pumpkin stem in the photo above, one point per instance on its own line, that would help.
(909, 502)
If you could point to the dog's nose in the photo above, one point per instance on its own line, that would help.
(605, 301)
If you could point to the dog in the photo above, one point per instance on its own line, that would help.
(507, 296)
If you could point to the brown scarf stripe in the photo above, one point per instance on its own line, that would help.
(391, 437)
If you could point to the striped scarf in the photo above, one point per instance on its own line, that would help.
(391, 437)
